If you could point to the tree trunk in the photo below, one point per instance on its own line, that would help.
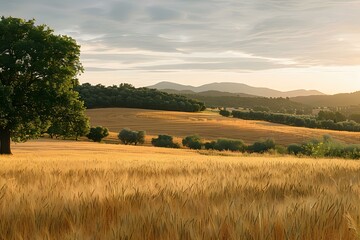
(5, 141)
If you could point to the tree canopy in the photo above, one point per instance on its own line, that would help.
(125, 95)
(38, 71)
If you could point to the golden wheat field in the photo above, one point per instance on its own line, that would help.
(207, 124)
(81, 190)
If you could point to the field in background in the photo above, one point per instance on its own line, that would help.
(207, 124)
(81, 190)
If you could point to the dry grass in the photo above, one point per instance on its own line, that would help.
(208, 125)
(99, 191)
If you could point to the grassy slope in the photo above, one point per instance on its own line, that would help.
(208, 125)
(342, 99)
(82, 190)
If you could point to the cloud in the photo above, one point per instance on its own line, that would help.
(307, 33)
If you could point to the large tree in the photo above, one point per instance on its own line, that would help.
(38, 71)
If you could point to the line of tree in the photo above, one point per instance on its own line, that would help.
(225, 144)
(327, 147)
(126, 95)
(298, 121)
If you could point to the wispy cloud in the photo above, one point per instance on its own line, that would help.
(304, 33)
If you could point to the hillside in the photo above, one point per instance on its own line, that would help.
(208, 125)
(337, 100)
(273, 104)
(235, 88)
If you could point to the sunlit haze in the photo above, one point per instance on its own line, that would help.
(281, 44)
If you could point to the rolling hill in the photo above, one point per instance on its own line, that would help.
(235, 88)
(337, 100)
(207, 124)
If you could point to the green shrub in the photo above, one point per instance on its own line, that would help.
(225, 113)
(262, 146)
(128, 136)
(164, 141)
(97, 133)
(295, 149)
(280, 149)
(193, 142)
(224, 144)
(210, 145)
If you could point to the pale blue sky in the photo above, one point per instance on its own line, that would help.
(282, 44)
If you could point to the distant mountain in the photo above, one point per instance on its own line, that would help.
(337, 100)
(210, 93)
(235, 88)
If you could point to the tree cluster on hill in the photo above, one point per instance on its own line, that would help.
(351, 112)
(329, 115)
(281, 105)
(125, 95)
(299, 121)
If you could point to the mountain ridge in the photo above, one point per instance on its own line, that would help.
(235, 88)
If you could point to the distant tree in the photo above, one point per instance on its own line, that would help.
(334, 116)
(333, 120)
(295, 149)
(98, 133)
(225, 113)
(164, 141)
(128, 136)
(224, 144)
(193, 142)
(210, 145)
(262, 146)
(38, 71)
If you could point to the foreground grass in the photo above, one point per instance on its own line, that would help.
(95, 191)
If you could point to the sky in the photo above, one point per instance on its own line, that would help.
(281, 44)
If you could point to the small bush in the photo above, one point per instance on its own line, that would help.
(128, 136)
(262, 146)
(224, 144)
(97, 133)
(225, 113)
(295, 149)
(164, 141)
(193, 142)
(279, 149)
(210, 145)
